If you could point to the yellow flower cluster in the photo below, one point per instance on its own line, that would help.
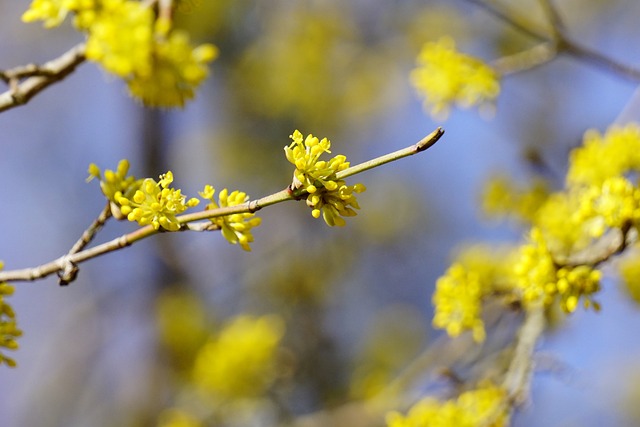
(159, 65)
(327, 195)
(539, 278)
(121, 38)
(241, 361)
(178, 69)
(175, 417)
(458, 303)
(477, 272)
(445, 77)
(605, 156)
(601, 195)
(614, 204)
(313, 66)
(8, 326)
(503, 198)
(115, 181)
(236, 228)
(52, 12)
(485, 406)
(155, 203)
(563, 224)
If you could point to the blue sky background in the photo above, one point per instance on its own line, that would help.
(46, 146)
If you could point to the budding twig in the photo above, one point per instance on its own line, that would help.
(65, 265)
(421, 145)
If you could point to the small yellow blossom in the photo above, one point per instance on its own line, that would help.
(444, 77)
(115, 181)
(236, 228)
(155, 203)
(241, 361)
(578, 282)
(559, 223)
(328, 195)
(605, 156)
(615, 203)
(9, 331)
(458, 303)
(335, 204)
(52, 12)
(535, 270)
(501, 197)
(539, 278)
(177, 70)
(158, 63)
(121, 37)
(485, 406)
(175, 417)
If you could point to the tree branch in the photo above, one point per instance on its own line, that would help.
(66, 265)
(38, 78)
(563, 43)
(518, 377)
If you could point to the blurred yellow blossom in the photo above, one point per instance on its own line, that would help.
(241, 361)
(127, 38)
(175, 417)
(558, 220)
(501, 197)
(52, 12)
(605, 156)
(485, 406)
(615, 203)
(182, 324)
(177, 70)
(541, 279)
(446, 77)
(311, 64)
(121, 37)
(458, 302)
(8, 326)
(535, 270)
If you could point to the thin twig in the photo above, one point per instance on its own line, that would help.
(526, 60)
(91, 231)
(518, 378)
(421, 145)
(73, 259)
(38, 77)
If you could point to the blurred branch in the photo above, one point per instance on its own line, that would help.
(36, 78)
(66, 266)
(526, 60)
(91, 231)
(559, 38)
(557, 24)
(518, 378)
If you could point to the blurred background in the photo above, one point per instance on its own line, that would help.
(117, 347)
